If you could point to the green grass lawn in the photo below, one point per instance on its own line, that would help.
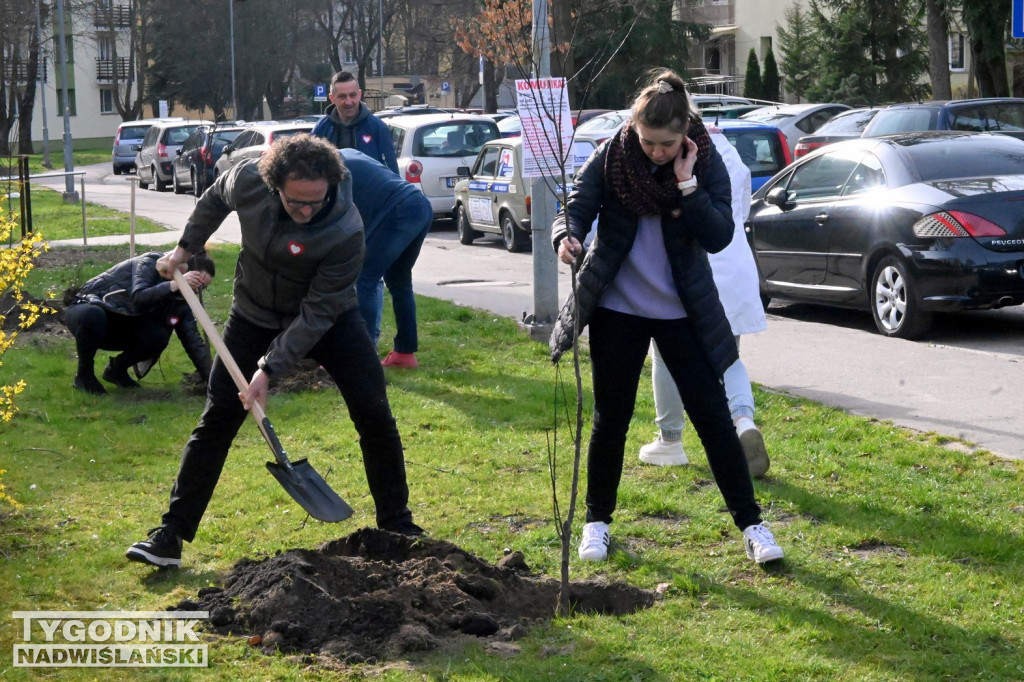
(903, 555)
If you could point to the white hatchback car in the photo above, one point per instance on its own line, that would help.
(431, 148)
(795, 120)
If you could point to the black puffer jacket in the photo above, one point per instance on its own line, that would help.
(135, 288)
(703, 224)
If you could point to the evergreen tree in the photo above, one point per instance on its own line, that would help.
(877, 51)
(770, 78)
(798, 50)
(752, 82)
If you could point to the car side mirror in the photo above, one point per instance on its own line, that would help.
(779, 196)
(463, 172)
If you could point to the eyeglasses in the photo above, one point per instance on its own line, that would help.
(296, 204)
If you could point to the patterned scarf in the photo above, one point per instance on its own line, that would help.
(627, 171)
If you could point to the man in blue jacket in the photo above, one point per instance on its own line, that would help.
(349, 124)
(396, 219)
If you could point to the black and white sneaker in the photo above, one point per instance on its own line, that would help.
(760, 544)
(161, 549)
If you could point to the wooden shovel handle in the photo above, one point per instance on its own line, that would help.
(222, 350)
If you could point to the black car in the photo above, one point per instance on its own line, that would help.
(904, 225)
(845, 126)
(193, 169)
(992, 114)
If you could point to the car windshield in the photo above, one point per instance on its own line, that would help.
(179, 135)
(890, 121)
(853, 122)
(453, 138)
(767, 115)
(223, 138)
(512, 124)
(604, 122)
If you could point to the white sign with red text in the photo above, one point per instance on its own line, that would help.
(547, 126)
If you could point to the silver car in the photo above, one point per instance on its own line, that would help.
(155, 159)
(255, 141)
(128, 142)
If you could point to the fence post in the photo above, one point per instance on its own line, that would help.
(26, 197)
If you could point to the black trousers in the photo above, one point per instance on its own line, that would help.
(349, 356)
(95, 328)
(618, 347)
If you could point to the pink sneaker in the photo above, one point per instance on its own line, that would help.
(404, 360)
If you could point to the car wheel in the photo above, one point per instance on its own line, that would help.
(158, 184)
(466, 233)
(895, 304)
(515, 239)
(178, 189)
(197, 184)
(117, 170)
(142, 183)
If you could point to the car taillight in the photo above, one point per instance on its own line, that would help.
(803, 148)
(117, 138)
(956, 224)
(528, 202)
(161, 150)
(785, 148)
(207, 155)
(413, 171)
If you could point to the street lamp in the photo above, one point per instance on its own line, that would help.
(380, 49)
(231, 23)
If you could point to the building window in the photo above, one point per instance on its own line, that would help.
(72, 109)
(69, 49)
(106, 47)
(956, 52)
(106, 101)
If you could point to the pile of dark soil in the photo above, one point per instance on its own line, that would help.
(375, 595)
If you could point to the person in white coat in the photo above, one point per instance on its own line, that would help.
(735, 276)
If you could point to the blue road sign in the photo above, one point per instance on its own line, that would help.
(319, 92)
(1017, 22)
(446, 86)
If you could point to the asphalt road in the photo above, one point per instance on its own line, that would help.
(965, 381)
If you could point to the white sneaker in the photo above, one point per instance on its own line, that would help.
(760, 544)
(594, 545)
(663, 453)
(755, 452)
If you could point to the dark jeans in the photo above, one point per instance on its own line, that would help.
(391, 252)
(618, 346)
(95, 328)
(348, 356)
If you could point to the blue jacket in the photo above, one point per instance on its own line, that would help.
(377, 192)
(367, 133)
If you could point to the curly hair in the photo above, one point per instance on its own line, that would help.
(663, 102)
(301, 157)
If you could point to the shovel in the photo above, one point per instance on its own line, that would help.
(299, 479)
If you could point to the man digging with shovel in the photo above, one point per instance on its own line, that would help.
(294, 297)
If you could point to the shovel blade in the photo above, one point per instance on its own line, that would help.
(311, 491)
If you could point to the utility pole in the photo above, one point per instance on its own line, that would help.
(41, 84)
(542, 205)
(231, 31)
(70, 195)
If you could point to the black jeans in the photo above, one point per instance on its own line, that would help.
(95, 328)
(618, 346)
(348, 355)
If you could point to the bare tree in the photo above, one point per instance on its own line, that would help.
(938, 49)
(123, 27)
(19, 60)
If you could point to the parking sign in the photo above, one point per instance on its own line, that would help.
(1017, 21)
(319, 92)
(446, 86)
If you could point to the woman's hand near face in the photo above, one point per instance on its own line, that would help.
(685, 160)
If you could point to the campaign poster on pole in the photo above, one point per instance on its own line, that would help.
(547, 126)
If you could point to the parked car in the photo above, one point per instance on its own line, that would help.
(705, 100)
(995, 114)
(254, 141)
(308, 118)
(159, 148)
(413, 110)
(511, 126)
(193, 168)
(600, 128)
(845, 126)
(493, 197)
(795, 120)
(762, 147)
(728, 111)
(431, 147)
(583, 115)
(128, 141)
(904, 225)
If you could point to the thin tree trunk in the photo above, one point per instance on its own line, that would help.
(938, 51)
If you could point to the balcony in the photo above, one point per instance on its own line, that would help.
(16, 71)
(112, 16)
(711, 12)
(105, 69)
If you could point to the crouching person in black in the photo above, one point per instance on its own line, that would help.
(133, 309)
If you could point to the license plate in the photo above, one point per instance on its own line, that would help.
(451, 182)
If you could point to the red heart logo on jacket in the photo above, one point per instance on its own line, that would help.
(367, 138)
(296, 248)
(173, 321)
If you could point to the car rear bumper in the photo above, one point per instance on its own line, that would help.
(969, 277)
